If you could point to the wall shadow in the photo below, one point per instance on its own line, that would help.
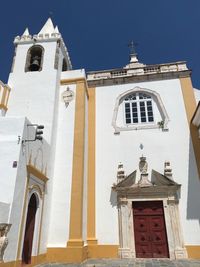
(193, 199)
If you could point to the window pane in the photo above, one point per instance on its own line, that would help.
(150, 119)
(150, 114)
(149, 103)
(149, 108)
(135, 120)
(135, 115)
(134, 104)
(141, 104)
(127, 105)
(143, 119)
(128, 120)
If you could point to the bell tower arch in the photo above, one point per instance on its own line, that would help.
(34, 58)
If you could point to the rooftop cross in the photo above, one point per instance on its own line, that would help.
(132, 45)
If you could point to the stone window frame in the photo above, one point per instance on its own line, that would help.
(157, 99)
(28, 58)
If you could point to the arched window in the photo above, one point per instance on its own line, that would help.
(34, 58)
(138, 108)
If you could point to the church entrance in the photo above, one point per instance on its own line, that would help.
(29, 230)
(149, 229)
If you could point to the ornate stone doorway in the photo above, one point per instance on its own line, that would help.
(29, 230)
(131, 194)
(149, 230)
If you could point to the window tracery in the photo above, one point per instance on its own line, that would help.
(140, 108)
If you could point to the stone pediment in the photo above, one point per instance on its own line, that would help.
(128, 181)
(158, 182)
(161, 180)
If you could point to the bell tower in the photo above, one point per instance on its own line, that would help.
(35, 75)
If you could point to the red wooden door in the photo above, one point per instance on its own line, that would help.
(29, 230)
(149, 229)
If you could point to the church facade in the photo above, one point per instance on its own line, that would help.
(103, 164)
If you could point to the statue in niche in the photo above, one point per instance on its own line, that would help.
(4, 229)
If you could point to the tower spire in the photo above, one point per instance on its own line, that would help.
(26, 32)
(48, 27)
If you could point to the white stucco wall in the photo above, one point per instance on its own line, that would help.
(33, 93)
(14, 180)
(197, 94)
(172, 145)
(61, 188)
(58, 233)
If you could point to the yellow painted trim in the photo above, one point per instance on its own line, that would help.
(37, 189)
(75, 81)
(3, 100)
(79, 254)
(72, 80)
(91, 213)
(193, 252)
(34, 171)
(103, 251)
(76, 209)
(69, 254)
(7, 97)
(190, 107)
(22, 220)
(2, 106)
(35, 260)
(41, 222)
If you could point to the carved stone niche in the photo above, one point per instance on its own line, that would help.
(4, 229)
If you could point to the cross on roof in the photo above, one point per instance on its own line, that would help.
(132, 45)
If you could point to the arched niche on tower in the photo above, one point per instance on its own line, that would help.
(34, 58)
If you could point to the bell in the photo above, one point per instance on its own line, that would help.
(35, 65)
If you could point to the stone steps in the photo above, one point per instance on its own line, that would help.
(128, 263)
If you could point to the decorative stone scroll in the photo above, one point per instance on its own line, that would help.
(4, 229)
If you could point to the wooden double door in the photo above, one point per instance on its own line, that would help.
(150, 230)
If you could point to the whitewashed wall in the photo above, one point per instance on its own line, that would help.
(14, 180)
(58, 233)
(173, 145)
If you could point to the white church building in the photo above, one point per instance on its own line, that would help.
(117, 173)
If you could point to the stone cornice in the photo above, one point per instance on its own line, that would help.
(138, 78)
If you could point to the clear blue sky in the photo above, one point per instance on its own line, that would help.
(97, 32)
